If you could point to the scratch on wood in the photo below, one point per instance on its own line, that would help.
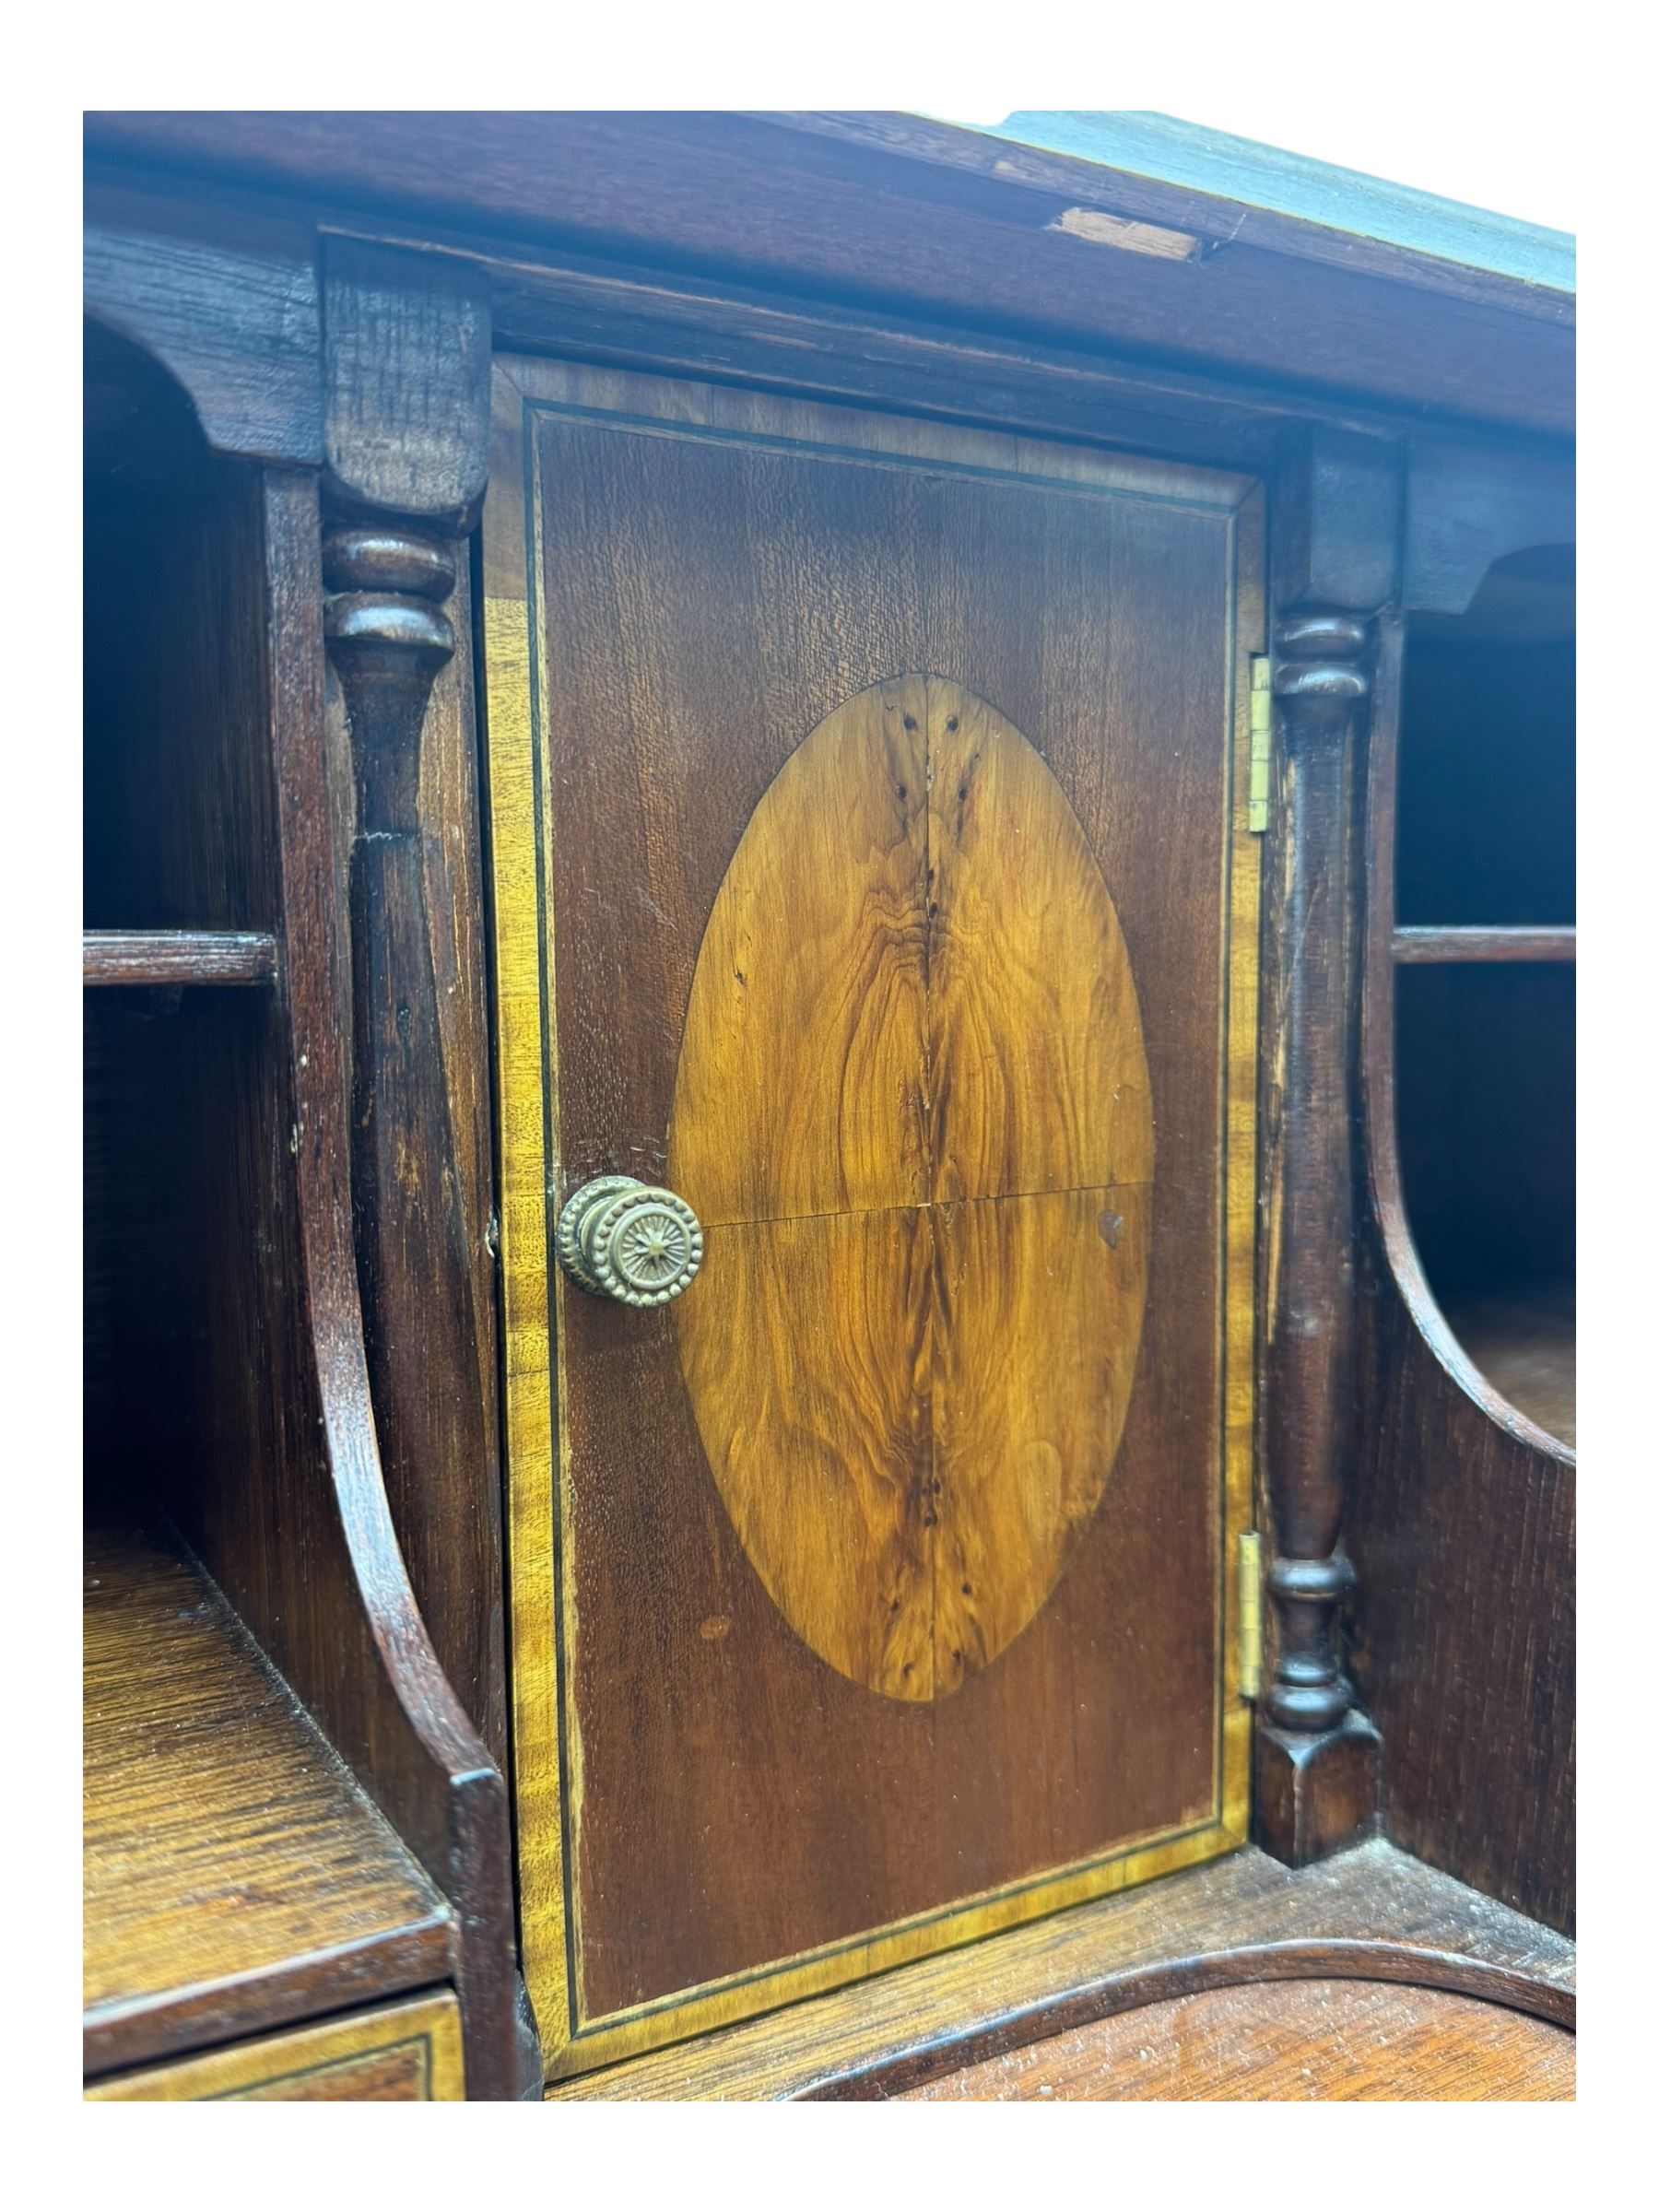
(1102, 229)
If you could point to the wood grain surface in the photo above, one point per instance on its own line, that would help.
(407, 2053)
(1036, 1071)
(406, 383)
(229, 303)
(234, 1874)
(811, 1385)
(1301, 2042)
(714, 574)
(1189, 207)
(1371, 1913)
(916, 1415)
(792, 209)
(1038, 1304)
(596, 304)
(801, 1083)
(913, 986)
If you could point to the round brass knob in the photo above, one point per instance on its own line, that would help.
(623, 1239)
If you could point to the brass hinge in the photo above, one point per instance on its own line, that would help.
(1261, 741)
(1250, 1615)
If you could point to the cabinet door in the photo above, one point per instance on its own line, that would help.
(872, 873)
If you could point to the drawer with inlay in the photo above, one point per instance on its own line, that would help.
(407, 2053)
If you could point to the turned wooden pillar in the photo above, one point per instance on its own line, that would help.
(1334, 562)
(388, 638)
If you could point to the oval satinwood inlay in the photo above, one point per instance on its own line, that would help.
(912, 1111)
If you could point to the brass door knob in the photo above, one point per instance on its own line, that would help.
(623, 1239)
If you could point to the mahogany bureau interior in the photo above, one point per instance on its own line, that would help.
(829, 958)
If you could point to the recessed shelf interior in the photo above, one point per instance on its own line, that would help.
(177, 803)
(1485, 1078)
(1486, 798)
(181, 1112)
(198, 1757)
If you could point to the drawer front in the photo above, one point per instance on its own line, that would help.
(872, 884)
(407, 2053)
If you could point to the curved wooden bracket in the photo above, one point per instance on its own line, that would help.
(404, 371)
(398, 1721)
(226, 303)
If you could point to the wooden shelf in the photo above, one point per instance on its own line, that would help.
(1419, 946)
(140, 957)
(1523, 1339)
(1372, 1913)
(1282, 2043)
(236, 1879)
